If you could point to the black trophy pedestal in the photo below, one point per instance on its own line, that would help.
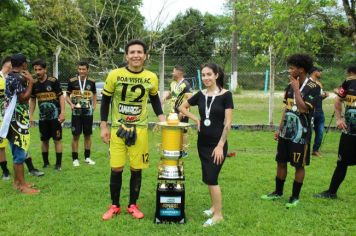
(170, 203)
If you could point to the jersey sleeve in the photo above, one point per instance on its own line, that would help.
(188, 88)
(342, 91)
(154, 88)
(57, 88)
(229, 103)
(193, 100)
(33, 95)
(311, 98)
(109, 86)
(93, 89)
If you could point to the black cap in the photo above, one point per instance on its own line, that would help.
(18, 59)
(314, 68)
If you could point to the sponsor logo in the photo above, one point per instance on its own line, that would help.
(49, 88)
(130, 110)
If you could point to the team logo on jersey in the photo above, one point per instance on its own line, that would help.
(88, 87)
(49, 88)
(130, 110)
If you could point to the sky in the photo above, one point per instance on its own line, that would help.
(171, 8)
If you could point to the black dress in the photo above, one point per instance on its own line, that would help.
(209, 136)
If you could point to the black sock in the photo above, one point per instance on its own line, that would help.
(45, 158)
(58, 158)
(4, 168)
(135, 186)
(115, 187)
(296, 189)
(29, 164)
(338, 177)
(74, 156)
(279, 186)
(86, 153)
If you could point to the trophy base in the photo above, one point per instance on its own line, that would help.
(170, 202)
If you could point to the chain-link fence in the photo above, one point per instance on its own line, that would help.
(250, 75)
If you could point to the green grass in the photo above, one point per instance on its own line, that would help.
(72, 201)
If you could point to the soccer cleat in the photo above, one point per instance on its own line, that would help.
(113, 211)
(89, 161)
(326, 194)
(271, 196)
(58, 167)
(36, 172)
(135, 212)
(76, 163)
(293, 202)
(46, 165)
(6, 176)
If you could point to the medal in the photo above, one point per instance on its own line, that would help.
(294, 108)
(207, 122)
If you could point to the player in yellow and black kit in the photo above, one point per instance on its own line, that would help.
(129, 89)
(179, 92)
(47, 90)
(294, 132)
(347, 147)
(81, 97)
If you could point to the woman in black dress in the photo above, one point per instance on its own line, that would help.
(215, 106)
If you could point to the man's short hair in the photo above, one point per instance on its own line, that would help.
(314, 68)
(180, 68)
(301, 61)
(84, 63)
(18, 59)
(39, 62)
(351, 69)
(134, 42)
(5, 60)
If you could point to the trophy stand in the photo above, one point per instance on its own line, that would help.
(170, 192)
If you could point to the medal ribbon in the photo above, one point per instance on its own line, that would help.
(300, 89)
(207, 109)
(80, 85)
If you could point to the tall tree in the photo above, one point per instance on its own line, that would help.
(18, 32)
(349, 7)
(190, 37)
(93, 29)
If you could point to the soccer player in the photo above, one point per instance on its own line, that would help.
(19, 84)
(129, 89)
(6, 68)
(294, 132)
(180, 91)
(81, 97)
(47, 90)
(318, 116)
(347, 124)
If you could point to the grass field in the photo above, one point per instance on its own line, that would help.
(72, 201)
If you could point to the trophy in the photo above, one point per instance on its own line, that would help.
(170, 192)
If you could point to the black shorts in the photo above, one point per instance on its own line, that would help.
(297, 154)
(210, 170)
(347, 150)
(81, 124)
(50, 129)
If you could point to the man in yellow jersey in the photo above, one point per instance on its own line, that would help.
(180, 91)
(129, 89)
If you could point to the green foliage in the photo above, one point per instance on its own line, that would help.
(19, 33)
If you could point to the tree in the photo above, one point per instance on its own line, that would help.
(95, 30)
(350, 30)
(190, 37)
(18, 32)
(289, 26)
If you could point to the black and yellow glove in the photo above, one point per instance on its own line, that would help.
(127, 132)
